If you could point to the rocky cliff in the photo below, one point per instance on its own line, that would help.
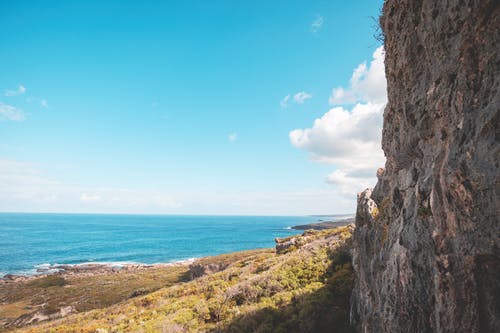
(427, 238)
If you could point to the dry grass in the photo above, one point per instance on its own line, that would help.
(49, 294)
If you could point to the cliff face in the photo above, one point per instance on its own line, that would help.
(427, 238)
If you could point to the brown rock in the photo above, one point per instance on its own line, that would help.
(284, 245)
(426, 244)
(198, 269)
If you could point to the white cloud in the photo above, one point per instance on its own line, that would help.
(22, 182)
(349, 184)
(350, 139)
(284, 203)
(317, 24)
(11, 112)
(346, 138)
(232, 137)
(140, 200)
(284, 101)
(44, 103)
(300, 97)
(25, 188)
(19, 91)
(89, 198)
(367, 84)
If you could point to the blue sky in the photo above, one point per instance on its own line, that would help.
(181, 107)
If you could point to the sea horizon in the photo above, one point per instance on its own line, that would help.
(169, 214)
(34, 243)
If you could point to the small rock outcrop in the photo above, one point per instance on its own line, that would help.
(284, 245)
(427, 239)
(198, 269)
(329, 236)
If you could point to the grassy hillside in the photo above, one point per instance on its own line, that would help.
(45, 296)
(306, 289)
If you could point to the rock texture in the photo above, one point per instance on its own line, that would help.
(198, 269)
(427, 238)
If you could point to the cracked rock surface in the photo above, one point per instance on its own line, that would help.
(426, 244)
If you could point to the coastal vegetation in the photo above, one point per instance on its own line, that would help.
(43, 298)
(304, 289)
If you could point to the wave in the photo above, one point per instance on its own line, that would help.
(47, 268)
(182, 261)
(110, 264)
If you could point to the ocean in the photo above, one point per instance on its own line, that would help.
(31, 241)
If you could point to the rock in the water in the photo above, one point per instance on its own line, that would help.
(427, 239)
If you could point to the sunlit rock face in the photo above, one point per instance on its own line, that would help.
(427, 238)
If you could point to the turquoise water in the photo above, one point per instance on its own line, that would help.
(30, 240)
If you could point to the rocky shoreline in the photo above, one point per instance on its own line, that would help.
(88, 269)
(93, 269)
(60, 290)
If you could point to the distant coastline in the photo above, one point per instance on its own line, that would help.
(324, 224)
